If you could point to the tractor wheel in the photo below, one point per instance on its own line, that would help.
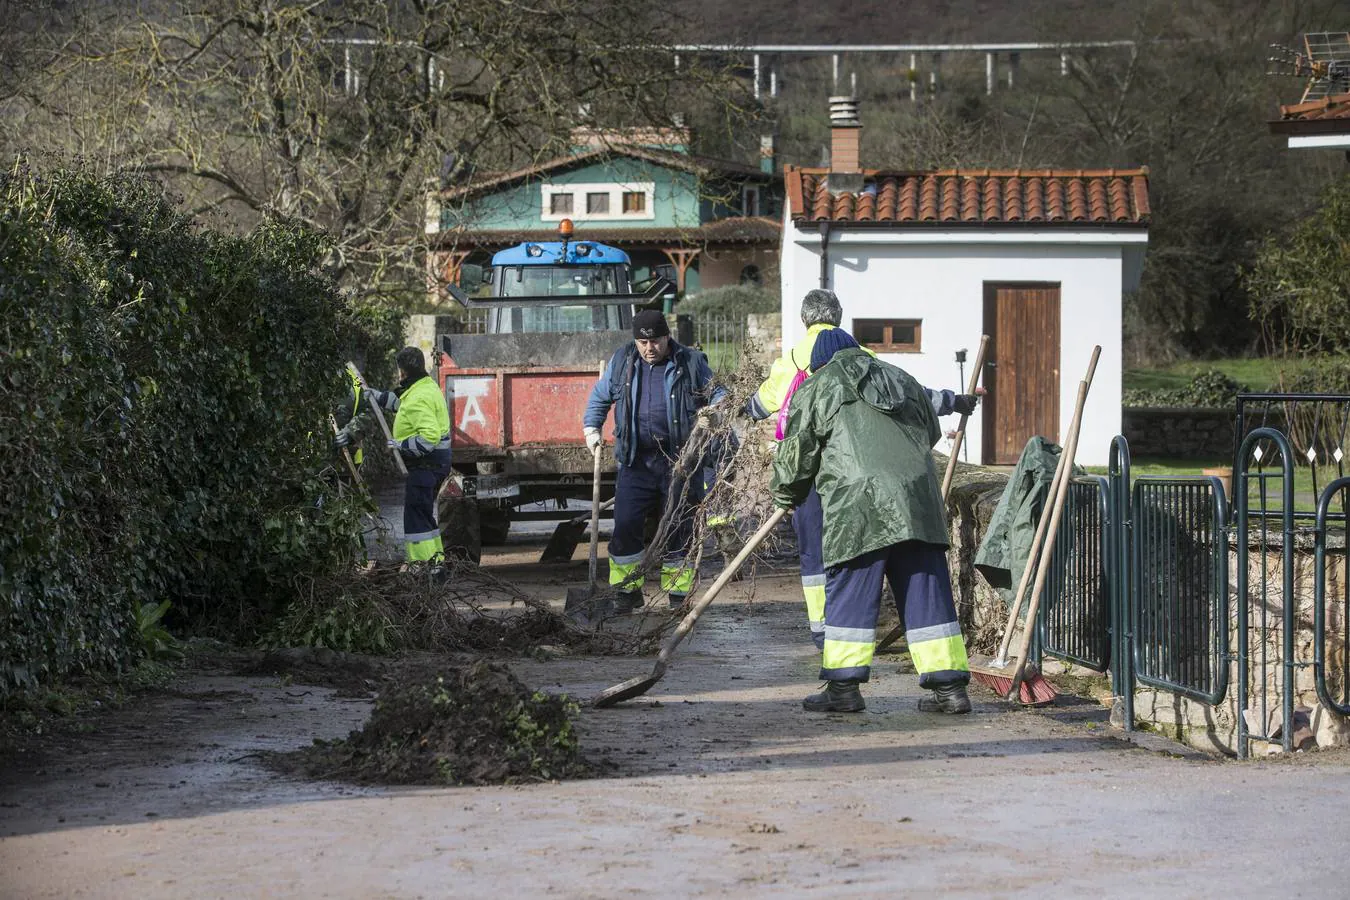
(460, 525)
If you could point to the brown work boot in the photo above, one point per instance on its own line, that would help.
(838, 696)
(947, 698)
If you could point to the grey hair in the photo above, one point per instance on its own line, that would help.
(821, 307)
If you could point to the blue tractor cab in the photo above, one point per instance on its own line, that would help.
(558, 286)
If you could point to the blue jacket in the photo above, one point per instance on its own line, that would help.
(689, 387)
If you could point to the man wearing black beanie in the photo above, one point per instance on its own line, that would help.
(656, 387)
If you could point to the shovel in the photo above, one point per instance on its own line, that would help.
(582, 605)
(567, 535)
(636, 687)
(379, 417)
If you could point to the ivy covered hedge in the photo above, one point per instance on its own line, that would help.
(163, 394)
(1211, 388)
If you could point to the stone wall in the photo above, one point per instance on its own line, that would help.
(1215, 728)
(1181, 433)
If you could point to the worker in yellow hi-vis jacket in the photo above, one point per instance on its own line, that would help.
(422, 437)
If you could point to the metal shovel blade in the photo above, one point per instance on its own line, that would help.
(627, 690)
(587, 608)
(563, 543)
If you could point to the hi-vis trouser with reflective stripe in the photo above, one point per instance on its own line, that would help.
(809, 522)
(421, 534)
(640, 490)
(920, 580)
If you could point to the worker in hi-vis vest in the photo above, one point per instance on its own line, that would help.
(422, 437)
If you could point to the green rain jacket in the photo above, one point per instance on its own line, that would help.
(863, 430)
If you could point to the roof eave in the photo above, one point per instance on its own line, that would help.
(1296, 127)
(804, 224)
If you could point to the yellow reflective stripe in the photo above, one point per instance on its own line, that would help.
(621, 574)
(815, 605)
(677, 579)
(425, 550)
(358, 457)
(944, 654)
(846, 654)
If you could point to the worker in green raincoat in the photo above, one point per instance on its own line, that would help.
(861, 431)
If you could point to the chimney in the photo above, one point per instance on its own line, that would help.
(766, 160)
(845, 130)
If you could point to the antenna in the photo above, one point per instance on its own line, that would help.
(1325, 63)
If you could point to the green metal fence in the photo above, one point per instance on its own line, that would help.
(1178, 608)
(1075, 611)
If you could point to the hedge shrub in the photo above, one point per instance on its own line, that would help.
(163, 394)
(1211, 388)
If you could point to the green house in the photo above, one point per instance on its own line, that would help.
(699, 221)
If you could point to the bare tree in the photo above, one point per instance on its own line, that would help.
(340, 115)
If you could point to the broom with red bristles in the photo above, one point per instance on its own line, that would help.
(1018, 677)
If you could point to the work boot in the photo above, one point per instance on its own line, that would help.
(838, 696)
(626, 602)
(947, 698)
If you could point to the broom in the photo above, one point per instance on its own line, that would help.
(1016, 677)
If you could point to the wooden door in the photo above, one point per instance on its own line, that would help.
(1022, 368)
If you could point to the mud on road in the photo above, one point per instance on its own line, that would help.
(716, 783)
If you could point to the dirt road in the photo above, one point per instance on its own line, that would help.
(721, 786)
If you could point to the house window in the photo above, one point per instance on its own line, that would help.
(634, 202)
(889, 335)
(750, 200)
(598, 201)
(560, 204)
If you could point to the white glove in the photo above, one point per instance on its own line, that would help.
(593, 438)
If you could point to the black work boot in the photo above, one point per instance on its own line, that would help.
(626, 602)
(947, 698)
(838, 696)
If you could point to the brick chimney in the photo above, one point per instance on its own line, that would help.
(845, 131)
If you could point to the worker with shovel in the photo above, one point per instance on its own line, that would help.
(657, 388)
(883, 515)
(421, 436)
(821, 311)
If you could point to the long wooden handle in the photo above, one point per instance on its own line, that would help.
(961, 428)
(379, 417)
(346, 454)
(706, 600)
(1043, 568)
(595, 516)
(1037, 542)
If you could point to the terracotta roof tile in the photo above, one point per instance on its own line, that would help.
(970, 199)
(1337, 106)
(1012, 200)
(976, 197)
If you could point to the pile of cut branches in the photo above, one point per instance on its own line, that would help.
(457, 607)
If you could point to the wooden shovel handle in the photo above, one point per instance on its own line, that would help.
(1065, 463)
(961, 428)
(379, 417)
(687, 625)
(1043, 567)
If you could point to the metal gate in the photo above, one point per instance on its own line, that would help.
(1075, 611)
(1339, 628)
(1178, 611)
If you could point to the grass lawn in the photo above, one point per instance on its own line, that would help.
(1304, 498)
(1259, 373)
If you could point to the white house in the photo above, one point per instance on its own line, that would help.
(926, 262)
